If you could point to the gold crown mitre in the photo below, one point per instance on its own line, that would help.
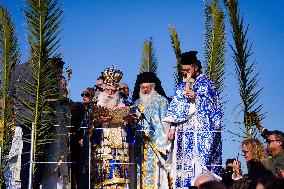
(112, 76)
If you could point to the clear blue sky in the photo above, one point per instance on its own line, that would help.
(101, 33)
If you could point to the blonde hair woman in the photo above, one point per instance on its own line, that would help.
(253, 149)
(256, 159)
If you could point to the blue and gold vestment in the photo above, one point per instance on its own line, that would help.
(197, 145)
(154, 174)
(110, 156)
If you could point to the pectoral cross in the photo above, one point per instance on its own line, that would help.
(188, 80)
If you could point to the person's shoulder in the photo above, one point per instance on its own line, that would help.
(137, 102)
(162, 99)
(180, 86)
(23, 66)
(204, 80)
(202, 77)
(20, 66)
(281, 156)
(77, 106)
(21, 69)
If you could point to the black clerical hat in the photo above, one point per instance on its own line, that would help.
(147, 77)
(190, 58)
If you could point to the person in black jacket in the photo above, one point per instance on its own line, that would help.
(227, 176)
(81, 120)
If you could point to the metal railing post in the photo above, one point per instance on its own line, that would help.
(89, 164)
(31, 158)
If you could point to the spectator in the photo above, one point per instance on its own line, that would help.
(204, 177)
(256, 158)
(81, 120)
(99, 86)
(275, 142)
(270, 183)
(227, 176)
(212, 185)
(124, 92)
(56, 175)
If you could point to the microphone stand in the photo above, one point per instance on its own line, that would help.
(141, 119)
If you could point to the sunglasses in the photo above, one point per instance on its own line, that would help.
(270, 141)
(85, 94)
(245, 151)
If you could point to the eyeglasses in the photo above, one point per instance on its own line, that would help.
(85, 94)
(269, 141)
(186, 70)
(245, 151)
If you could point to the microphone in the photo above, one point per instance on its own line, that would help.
(142, 116)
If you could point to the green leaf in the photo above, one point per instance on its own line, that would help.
(176, 47)
(9, 57)
(248, 78)
(149, 61)
(43, 20)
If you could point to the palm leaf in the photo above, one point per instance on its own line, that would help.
(215, 45)
(247, 77)
(9, 58)
(176, 46)
(44, 19)
(149, 61)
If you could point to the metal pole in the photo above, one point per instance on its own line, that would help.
(69, 72)
(141, 164)
(1, 156)
(69, 159)
(142, 155)
(31, 157)
(89, 163)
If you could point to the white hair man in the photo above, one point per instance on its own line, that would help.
(151, 101)
(110, 97)
(111, 156)
(204, 177)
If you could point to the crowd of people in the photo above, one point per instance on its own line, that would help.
(148, 141)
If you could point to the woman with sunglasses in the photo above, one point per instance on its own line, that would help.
(256, 159)
(81, 119)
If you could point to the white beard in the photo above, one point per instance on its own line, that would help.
(109, 102)
(148, 98)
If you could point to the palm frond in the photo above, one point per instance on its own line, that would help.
(247, 77)
(44, 19)
(149, 62)
(215, 45)
(176, 46)
(9, 58)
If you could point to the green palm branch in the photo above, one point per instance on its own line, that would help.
(215, 45)
(149, 62)
(176, 46)
(44, 19)
(248, 78)
(9, 58)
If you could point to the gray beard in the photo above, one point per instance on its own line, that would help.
(148, 98)
(109, 102)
